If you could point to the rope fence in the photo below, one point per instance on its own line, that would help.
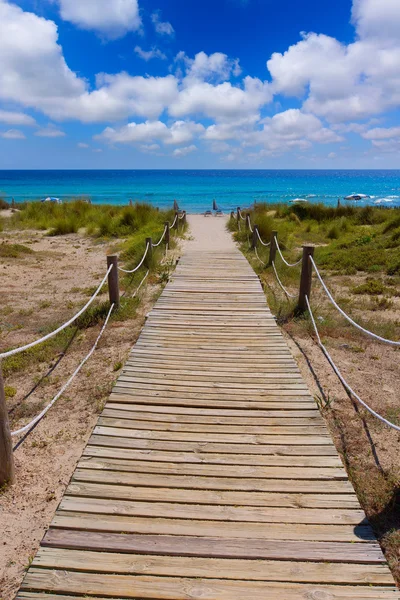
(345, 315)
(7, 473)
(62, 327)
(40, 416)
(288, 264)
(340, 376)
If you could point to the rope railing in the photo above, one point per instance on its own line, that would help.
(139, 265)
(261, 241)
(7, 471)
(162, 237)
(288, 264)
(40, 416)
(340, 376)
(288, 294)
(345, 315)
(259, 259)
(62, 327)
(174, 221)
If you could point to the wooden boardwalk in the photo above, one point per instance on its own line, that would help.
(210, 474)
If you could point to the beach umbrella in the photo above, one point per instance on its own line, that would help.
(215, 207)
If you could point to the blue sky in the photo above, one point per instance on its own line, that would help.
(210, 84)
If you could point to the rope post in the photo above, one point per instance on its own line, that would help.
(167, 233)
(149, 257)
(238, 214)
(7, 471)
(254, 237)
(232, 214)
(113, 283)
(247, 221)
(272, 248)
(305, 279)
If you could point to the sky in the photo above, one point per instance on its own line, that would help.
(189, 84)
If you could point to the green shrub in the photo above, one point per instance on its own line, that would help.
(333, 233)
(372, 287)
(13, 250)
(64, 226)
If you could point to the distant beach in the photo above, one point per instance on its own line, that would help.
(195, 190)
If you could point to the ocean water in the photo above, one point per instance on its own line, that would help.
(195, 190)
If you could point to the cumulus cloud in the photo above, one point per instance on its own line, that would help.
(179, 132)
(217, 66)
(110, 18)
(82, 145)
(50, 132)
(13, 134)
(16, 118)
(150, 54)
(179, 152)
(381, 133)
(363, 77)
(161, 27)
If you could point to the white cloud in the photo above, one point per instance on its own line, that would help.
(161, 27)
(217, 66)
(346, 82)
(332, 155)
(377, 19)
(16, 118)
(382, 133)
(150, 54)
(179, 152)
(223, 101)
(82, 145)
(179, 132)
(13, 134)
(50, 132)
(110, 18)
(33, 70)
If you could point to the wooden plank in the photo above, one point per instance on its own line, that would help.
(289, 439)
(247, 415)
(141, 586)
(181, 416)
(123, 460)
(207, 512)
(101, 489)
(212, 447)
(291, 429)
(93, 472)
(227, 568)
(361, 534)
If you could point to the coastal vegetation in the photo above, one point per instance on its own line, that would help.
(357, 251)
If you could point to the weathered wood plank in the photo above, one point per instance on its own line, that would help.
(228, 568)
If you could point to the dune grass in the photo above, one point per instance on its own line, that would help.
(107, 221)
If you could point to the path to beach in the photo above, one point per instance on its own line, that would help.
(210, 474)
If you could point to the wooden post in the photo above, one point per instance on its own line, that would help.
(254, 238)
(272, 248)
(167, 233)
(149, 256)
(247, 221)
(232, 214)
(305, 279)
(113, 283)
(238, 214)
(7, 472)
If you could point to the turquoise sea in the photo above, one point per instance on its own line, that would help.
(195, 190)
